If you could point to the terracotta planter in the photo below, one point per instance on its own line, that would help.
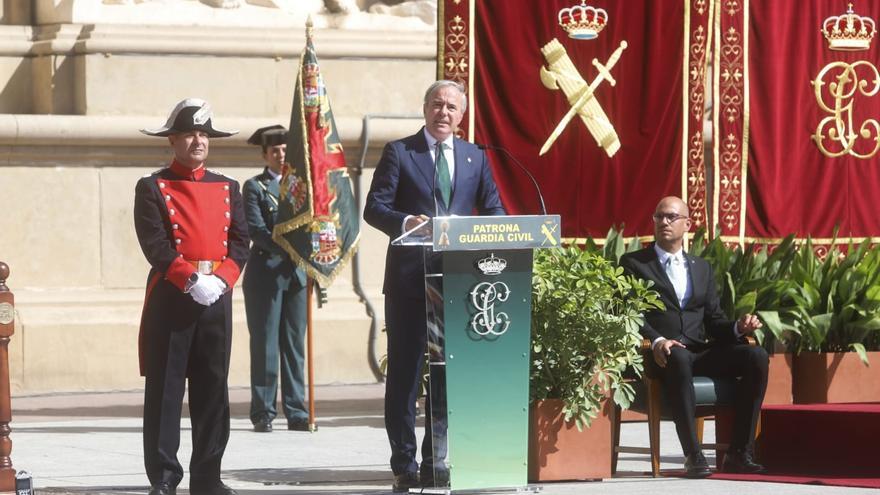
(558, 451)
(828, 377)
(779, 380)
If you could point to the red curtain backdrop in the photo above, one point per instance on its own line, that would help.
(790, 186)
(649, 107)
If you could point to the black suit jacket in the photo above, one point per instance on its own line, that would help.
(701, 318)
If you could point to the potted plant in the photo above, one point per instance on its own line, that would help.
(586, 315)
(834, 310)
(756, 280)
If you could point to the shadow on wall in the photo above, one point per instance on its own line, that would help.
(17, 95)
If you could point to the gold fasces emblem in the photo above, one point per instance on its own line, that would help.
(851, 80)
(561, 73)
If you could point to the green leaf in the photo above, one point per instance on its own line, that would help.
(860, 350)
(746, 304)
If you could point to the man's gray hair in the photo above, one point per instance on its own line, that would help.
(442, 84)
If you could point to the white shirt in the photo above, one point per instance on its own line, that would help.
(684, 290)
(682, 295)
(276, 177)
(448, 153)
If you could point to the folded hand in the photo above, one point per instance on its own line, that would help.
(207, 289)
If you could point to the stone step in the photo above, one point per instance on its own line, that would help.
(834, 440)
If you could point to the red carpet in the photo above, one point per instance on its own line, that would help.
(818, 444)
(800, 479)
(826, 444)
(833, 440)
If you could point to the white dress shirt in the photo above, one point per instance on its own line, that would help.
(683, 285)
(448, 153)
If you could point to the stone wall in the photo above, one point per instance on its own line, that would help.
(72, 98)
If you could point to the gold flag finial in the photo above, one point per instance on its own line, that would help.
(310, 27)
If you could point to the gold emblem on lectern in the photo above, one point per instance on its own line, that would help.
(561, 73)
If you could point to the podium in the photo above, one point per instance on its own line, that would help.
(478, 290)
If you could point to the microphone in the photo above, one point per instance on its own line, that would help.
(521, 167)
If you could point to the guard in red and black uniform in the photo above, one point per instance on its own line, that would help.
(191, 228)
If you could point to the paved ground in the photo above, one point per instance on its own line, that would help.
(91, 444)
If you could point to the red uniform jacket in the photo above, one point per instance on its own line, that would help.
(184, 216)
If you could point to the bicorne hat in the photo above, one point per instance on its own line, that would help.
(271, 135)
(191, 114)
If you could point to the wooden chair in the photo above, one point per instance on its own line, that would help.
(711, 394)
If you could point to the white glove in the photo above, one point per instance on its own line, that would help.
(207, 289)
(218, 283)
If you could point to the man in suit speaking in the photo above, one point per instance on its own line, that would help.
(431, 173)
(692, 337)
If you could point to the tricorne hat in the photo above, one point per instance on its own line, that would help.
(191, 114)
(271, 135)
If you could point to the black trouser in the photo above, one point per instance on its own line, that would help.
(407, 335)
(185, 340)
(749, 363)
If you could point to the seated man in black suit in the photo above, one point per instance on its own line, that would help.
(679, 338)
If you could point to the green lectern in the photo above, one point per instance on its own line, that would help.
(478, 280)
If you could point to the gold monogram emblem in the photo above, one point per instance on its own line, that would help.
(837, 97)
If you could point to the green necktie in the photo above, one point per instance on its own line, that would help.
(444, 183)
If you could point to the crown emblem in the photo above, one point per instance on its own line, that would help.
(492, 265)
(583, 22)
(849, 32)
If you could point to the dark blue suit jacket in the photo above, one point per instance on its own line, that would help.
(402, 185)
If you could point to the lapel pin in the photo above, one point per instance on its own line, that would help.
(469, 159)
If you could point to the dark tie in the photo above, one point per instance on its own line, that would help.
(444, 183)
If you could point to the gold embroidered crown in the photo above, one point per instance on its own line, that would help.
(583, 22)
(492, 265)
(849, 31)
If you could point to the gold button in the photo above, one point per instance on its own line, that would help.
(224, 243)
(171, 211)
(167, 197)
(227, 214)
(176, 241)
(175, 226)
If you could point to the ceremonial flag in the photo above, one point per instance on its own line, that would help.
(317, 217)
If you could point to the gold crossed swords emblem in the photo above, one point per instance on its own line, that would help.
(548, 234)
(561, 73)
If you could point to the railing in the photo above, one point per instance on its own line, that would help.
(7, 327)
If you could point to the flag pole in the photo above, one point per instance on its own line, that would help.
(309, 354)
